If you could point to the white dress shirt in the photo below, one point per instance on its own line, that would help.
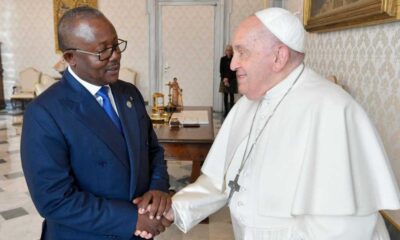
(93, 89)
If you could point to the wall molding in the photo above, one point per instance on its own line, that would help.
(223, 9)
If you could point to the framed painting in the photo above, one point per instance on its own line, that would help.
(61, 6)
(329, 15)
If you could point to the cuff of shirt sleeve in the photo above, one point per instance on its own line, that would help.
(178, 220)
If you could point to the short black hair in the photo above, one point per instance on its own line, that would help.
(67, 20)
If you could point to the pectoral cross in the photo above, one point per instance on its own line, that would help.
(234, 185)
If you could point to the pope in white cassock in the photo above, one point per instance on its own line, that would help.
(297, 157)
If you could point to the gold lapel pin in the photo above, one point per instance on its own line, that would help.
(129, 104)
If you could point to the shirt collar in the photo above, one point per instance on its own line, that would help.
(283, 85)
(93, 89)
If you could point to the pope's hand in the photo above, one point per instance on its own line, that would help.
(156, 203)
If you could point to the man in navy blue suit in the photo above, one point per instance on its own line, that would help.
(88, 147)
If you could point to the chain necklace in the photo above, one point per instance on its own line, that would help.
(234, 185)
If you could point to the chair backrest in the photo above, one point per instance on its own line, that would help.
(28, 78)
(40, 88)
(46, 79)
(45, 82)
(127, 75)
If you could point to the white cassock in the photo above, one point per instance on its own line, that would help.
(318, 171)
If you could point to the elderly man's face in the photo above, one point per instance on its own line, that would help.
(94, 35)
(252, 59)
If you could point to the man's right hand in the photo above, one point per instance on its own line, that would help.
(157, 203)
(148, 228)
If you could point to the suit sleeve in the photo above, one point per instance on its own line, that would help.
(159, 174)
(197, 201)
(47, 169)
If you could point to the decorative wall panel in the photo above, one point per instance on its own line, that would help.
(26, 30)
(366, 62)
(242, 9)
(27, 34)
(188, 50)
(131, 21)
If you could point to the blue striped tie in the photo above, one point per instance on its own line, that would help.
(108, 108)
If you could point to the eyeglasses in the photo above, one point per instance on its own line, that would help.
(106, 53)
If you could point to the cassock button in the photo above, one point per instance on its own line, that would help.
(240, 203)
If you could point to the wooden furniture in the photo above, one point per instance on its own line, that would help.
(2, 102)
(187, 143)
(24, 90)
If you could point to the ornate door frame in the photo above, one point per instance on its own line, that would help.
(221, 38)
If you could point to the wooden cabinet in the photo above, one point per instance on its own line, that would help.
(2, 102)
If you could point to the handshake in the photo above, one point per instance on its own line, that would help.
(154, 213)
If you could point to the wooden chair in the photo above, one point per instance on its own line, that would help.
(127, 75)
(45, 82)
(24, 90)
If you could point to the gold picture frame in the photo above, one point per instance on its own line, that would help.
(61, 6)
(330, 15)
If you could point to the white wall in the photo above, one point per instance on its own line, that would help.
(27, 38)
(27, 35)
(131, 22)
(242, 9)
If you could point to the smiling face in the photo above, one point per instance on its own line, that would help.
(93, 35)
(253, 58)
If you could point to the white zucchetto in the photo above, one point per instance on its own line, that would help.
(285, 26)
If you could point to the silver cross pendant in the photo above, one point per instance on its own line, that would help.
(235, 187)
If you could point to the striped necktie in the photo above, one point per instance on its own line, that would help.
(108, 108)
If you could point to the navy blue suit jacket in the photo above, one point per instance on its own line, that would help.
(82, 172)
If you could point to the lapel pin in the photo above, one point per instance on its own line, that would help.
(129, 104)
(131, 98)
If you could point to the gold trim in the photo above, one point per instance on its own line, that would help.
(61, 6)
(266, 3)
(359, 14)
(390, 220)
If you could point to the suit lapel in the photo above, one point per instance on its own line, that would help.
(87, 110)
(131, 117)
